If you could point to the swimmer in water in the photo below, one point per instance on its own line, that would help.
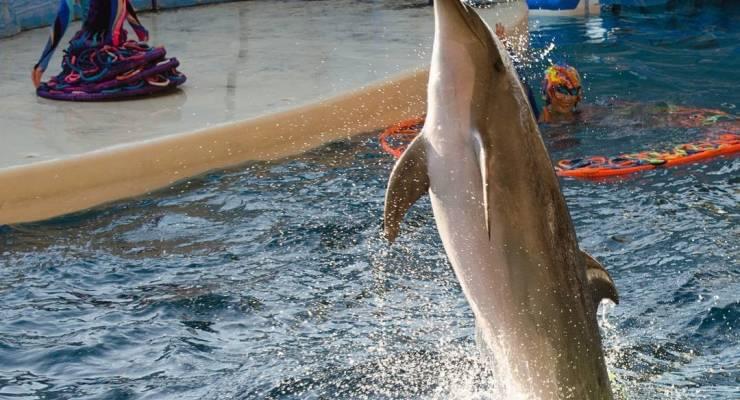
(561, 87)
(562, 92)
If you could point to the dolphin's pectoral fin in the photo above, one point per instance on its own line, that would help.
(408, 182)
(599, 281)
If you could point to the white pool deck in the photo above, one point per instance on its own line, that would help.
(323, 69)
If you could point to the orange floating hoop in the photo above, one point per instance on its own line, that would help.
(397, 137)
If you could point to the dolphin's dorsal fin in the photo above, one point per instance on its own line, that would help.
(599, 281)
(408, 182)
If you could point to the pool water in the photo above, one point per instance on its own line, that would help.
(271, 281)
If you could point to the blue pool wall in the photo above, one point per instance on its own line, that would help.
(20, 15)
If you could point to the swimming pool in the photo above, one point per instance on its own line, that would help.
(272, 280)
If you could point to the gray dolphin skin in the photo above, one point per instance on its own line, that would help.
(502, 218)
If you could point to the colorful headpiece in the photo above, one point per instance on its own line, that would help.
(561, 77)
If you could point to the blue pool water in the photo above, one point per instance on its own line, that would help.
(271, 281)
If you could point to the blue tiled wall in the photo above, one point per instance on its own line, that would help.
(18, 15)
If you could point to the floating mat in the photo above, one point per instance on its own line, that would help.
(601, 167)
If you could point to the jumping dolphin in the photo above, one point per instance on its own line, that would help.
(502, 218)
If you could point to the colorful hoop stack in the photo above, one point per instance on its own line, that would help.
(100, 62)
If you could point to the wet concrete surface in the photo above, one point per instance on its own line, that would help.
(242, 60)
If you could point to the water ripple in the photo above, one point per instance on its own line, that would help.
(272, 280)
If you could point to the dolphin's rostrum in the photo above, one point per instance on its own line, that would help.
(502, 218)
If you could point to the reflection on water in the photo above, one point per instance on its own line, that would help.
(272, 281)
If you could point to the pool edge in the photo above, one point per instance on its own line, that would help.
(49, 189)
